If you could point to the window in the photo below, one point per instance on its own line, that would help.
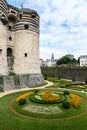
(3, 15)
(33, 15)
(26, 26)
(10, 28)
(25, 54)
(10, 38)
(20, 16)
(0, 51)
(13, 12)
(9, 52)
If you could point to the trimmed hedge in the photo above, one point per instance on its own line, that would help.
(33, 99)
(66, 104)
(66, 92)
(22, 101)
(79, 73)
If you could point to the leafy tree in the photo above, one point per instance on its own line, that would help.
(67, 59)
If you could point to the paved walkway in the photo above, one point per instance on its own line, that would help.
(24, 89)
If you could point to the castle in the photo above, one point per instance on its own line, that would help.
(19, 42)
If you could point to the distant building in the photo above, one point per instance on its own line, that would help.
(83, 60)
(49, 62)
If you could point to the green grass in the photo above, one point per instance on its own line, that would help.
(11, 121)
(61, 83)
(65, 113)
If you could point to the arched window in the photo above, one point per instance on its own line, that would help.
(9, 52)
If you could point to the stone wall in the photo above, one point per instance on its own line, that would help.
(22, 81)
(8, 83)
(31, 80)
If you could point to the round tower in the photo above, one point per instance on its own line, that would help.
(3, 37)
(26, 46)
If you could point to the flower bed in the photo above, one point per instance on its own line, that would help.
(24, 96)
(43, 109)
(36, 106)
(75, 100)
(48, 97)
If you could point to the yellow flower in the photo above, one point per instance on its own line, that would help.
(47, 96)
(75, 100)
(24, 96)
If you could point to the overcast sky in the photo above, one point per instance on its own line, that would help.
(63, 26)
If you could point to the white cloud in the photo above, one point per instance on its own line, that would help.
(63, 26)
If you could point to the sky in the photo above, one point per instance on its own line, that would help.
(63, 26)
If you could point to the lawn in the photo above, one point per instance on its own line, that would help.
(48, 109)
(12, 121)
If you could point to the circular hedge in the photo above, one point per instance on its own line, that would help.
(41, 101)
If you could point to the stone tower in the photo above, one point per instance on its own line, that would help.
(19, 42)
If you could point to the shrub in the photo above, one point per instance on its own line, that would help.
(66, 92)
(36, 91)
(45, 77)
(66, 104)
(86, 80)
(59, 76)
(22, 101)
(73, 79)
(1, 79)
(62, 86)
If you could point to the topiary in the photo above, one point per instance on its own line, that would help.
(66, 104)
(73, 78)
(45, 77)
(66, 92)
(22, 101)
(36, 91)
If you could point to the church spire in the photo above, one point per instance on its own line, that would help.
(52, 57)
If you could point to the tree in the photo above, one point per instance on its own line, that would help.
(67, 59)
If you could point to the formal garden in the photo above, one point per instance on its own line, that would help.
(62, 105)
